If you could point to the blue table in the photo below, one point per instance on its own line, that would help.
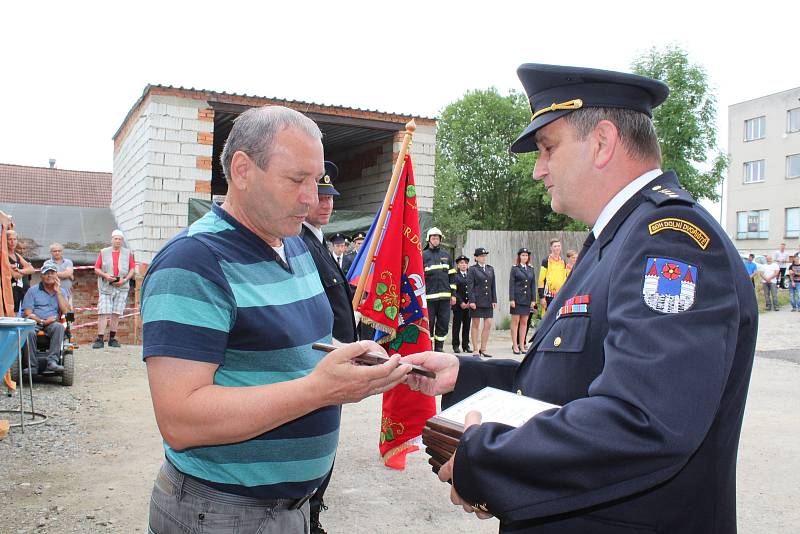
(13, 334)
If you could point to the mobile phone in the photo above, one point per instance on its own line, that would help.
(373, 358)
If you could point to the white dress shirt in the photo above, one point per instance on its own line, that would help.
(621, 198)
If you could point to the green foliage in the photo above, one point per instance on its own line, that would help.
(479, 183)
(686, 121)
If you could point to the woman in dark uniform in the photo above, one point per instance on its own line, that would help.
(521, 286)
(483, 300)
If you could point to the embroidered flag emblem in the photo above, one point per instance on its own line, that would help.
(669, 285)
(574, 305)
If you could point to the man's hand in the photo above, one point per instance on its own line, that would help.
(543, 303)
(49, 321)
(444, 365)
(339, 380)
(446, 472)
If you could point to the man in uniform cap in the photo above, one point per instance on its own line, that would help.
(350, 257)
(336, 289)
(338, 248)
(461, 311)
(647, 348)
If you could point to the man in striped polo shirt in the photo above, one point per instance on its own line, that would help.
(248, 411)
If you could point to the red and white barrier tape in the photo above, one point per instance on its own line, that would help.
(87, 267)
(93, 323)
(94, 308)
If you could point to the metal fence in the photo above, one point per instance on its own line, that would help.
(503, 246)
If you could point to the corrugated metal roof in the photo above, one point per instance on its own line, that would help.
(20, 184)
(82, 231)
(214, 95)
(288, 100)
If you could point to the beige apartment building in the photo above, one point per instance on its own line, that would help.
(763, 193)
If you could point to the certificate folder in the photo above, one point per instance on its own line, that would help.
(443, 431)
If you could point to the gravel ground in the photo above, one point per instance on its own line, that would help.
(90, 466)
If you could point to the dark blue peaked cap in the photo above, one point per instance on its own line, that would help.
(325, 184)
(553, 91)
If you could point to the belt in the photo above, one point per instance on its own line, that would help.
(194, 487)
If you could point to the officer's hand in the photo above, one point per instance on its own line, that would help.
(452, 301)
(446, 472)
(513, 304)
(444, 365)
(472, 305)
(340, 380)
(464, 305)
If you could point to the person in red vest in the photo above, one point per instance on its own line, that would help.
(114, 268)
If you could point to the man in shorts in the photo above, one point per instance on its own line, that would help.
(114, 268)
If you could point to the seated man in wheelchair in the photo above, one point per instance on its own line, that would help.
(45, 303)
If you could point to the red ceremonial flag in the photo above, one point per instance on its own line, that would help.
(396, 307)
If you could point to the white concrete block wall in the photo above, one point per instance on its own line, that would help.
(423, 150)
(155, 172)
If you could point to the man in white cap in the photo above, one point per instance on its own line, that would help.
(114, 268)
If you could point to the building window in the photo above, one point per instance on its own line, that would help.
(793, 120)
(752, 224)
(753, 171)
(793, 166)
(792, 222)
(755, 128)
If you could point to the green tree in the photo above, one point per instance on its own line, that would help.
(686, 121)
(479, 183)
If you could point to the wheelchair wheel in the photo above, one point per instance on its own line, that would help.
(68, 376)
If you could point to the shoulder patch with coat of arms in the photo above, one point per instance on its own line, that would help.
(669, 285)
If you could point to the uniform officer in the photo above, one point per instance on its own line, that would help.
(461, 311)
(336, 289)
(647, 348)
(439, 286)
(338, 243)
(520, 297)
(350, 257)
(483, 300)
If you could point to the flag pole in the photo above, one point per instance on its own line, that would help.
(398, 167)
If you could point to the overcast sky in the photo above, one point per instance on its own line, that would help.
(70, 71)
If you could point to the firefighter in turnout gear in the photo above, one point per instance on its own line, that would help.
(439, 286)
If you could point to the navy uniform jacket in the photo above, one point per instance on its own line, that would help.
(462, 291)
(347, 261)
(652, 385)
(481, 286)
(336, 287)
(521, 285)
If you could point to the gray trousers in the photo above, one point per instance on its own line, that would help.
(56, 332)
(771, 293)
(182, 505)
